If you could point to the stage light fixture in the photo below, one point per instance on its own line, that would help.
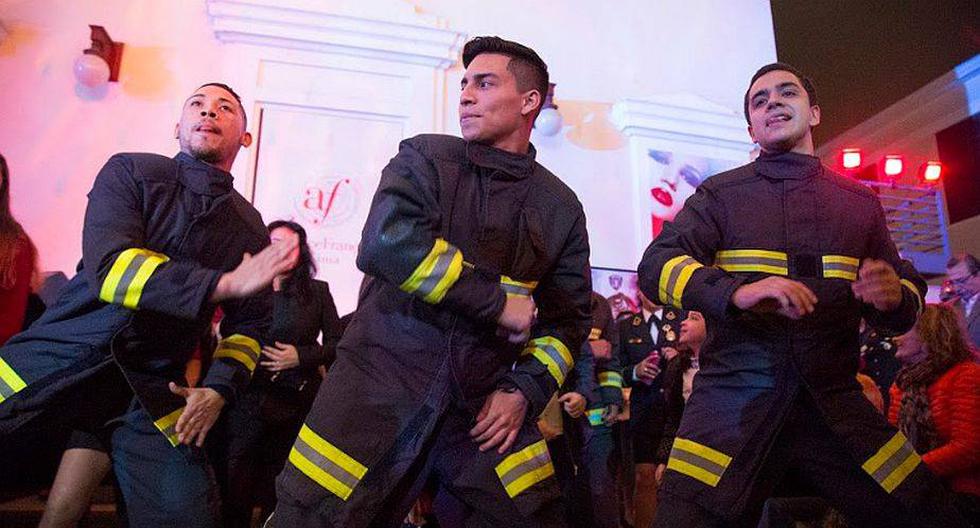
(893, 166)
(851, 158)
(932, 171)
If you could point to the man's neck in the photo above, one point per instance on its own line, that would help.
(518, 142)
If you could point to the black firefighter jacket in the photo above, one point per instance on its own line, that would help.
(158, 234)
(598, 379)
(454, 228)
(783, 215)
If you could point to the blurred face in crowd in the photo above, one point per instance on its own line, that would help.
(212, 127)
(285, 233)
(911, 349)
(964, 282)
(492, 110)
(780, 114)
(693, 331)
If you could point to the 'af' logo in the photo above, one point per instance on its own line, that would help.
(329, 202)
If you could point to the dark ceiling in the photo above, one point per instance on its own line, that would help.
(864, 55)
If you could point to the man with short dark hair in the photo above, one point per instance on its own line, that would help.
(477, 292)
(783, 258)
(963, 273)
(162, 247)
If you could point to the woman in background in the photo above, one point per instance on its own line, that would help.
(18, 263)
(935, 401)
(258, 431)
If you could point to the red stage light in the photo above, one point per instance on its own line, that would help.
(851, 158)
(894, 166)
(931, 171)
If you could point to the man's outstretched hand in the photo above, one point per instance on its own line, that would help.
(255, 273)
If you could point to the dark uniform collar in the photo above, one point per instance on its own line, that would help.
(203, 178)
(787, 165)
(518, 165)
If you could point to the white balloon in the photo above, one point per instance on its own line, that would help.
(548, 122)
(91, 70)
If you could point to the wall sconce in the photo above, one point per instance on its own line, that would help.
(100, 63)
(549, 121)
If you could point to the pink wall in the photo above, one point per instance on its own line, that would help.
(56, 138)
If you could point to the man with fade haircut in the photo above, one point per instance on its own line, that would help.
(477, 292)
(162, 247)
(783, 285)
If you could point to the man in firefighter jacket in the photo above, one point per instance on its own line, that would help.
(162, 246)
(644, 339)
(435, 376)
(783, 283)
(592, 407)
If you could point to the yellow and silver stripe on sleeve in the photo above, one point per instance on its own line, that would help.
(891, 464)
(128, 276)
(240, 348)
(698, 461)
(674, 277)
(753, 261)
(840, 267)
(516, 288)
(168, 425)
(609, 378)
(325, 464)
(553, 354)
(10, 382)
(525, 468)
(437, 272)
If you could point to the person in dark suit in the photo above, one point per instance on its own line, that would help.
(963, 271)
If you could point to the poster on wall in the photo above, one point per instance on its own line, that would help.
(320, 169)
(619, 287)
(672, 178)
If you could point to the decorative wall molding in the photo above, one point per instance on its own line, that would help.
(684, 118)
(395, 33)
(915, 120)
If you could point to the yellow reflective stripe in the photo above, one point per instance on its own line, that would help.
(841, 259)
(840, 267)
(595, 333)
(915, 291)
(437, 272)
(693, 471)
(517, 288)
(128, 276)
(168, 425)
(525, 468)
(698, 461)
(753, 253)
(594, 416)
(325, 448)
(703, 451)
(903, 470)
(753, 261)
(10, 382)
(240, 348)
(610, 379)
(515, 459)
(893, 462)
(111, 282)
(553, 354)
(325, 464)
(674, 277)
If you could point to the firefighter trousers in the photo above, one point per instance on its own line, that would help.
(807, 460)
